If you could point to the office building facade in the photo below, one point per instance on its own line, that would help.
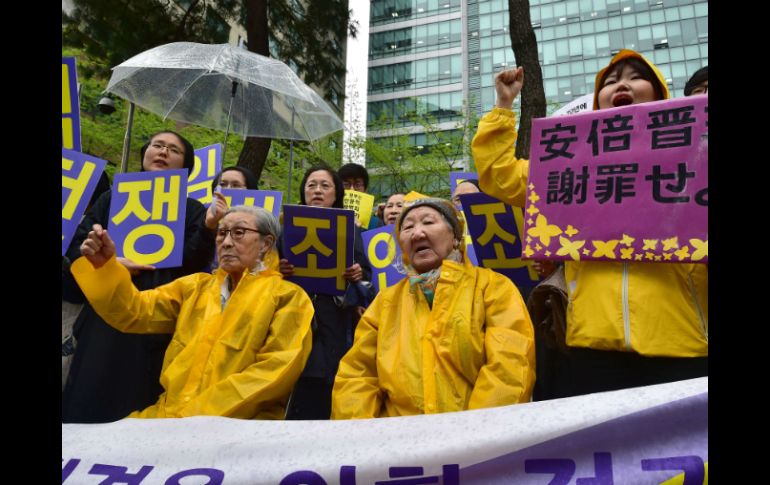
(435, 55)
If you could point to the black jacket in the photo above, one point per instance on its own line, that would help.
(115, 373)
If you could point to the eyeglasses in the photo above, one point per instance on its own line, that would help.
(324, 186)
(359, 186)
(236, 233)
(231, 185)
(171, 148)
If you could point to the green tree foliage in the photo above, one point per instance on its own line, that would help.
(116, 30)
(396, 164)
(308, 36)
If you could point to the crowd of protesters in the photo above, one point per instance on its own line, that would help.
(227, 334)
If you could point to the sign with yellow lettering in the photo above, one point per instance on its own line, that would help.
(270, 200)
(70, 106)
(79, 175)
(494, 230)
(384, 255)
(147, 216)
(361, 203)
(319, 243)
(208, 163)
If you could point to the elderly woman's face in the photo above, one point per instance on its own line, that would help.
(393, 208)
(319, 189)
(426, 238)
(165, 152)
(241, 247)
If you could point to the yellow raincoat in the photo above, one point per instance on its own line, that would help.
(241, 362)
(656, 310)
(473, 349)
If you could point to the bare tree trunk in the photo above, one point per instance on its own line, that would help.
(255, 150)
(524, 46)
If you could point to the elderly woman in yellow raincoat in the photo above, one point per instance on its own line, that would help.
(449, 337)
(241, 335)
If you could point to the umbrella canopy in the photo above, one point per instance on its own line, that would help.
(193, 83)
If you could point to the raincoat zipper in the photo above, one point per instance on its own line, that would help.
(694, 294)
(626, 316)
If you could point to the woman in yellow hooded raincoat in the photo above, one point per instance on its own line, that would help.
(449, 337)
(241, 336)
(628, 324)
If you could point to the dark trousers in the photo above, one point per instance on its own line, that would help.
(311, 399)
(585, 371)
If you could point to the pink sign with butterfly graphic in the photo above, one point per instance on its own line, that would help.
(621, 184)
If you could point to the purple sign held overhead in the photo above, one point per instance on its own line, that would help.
(459, 177)
(208, 163)
(494, 232)
(319, 243)
(147, 216)
(70, 105)
(270, 200)
(79, 175)
(621, 184)
(384, 255)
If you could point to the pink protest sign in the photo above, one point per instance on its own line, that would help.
(620, 184)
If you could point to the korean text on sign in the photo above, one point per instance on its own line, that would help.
(70, 106)
(147, 216)
(319, 243)
(208, 163)
(79, 175)
(270, 200)
(494, 231)
(384, 255)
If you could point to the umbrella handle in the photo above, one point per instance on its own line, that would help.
(229, 112)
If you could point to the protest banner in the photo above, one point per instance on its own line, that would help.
(646, 435)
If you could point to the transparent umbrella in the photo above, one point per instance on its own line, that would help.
(224, 87)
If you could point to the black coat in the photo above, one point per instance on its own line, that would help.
(115, 373)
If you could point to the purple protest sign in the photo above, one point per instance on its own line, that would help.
(621, 184)
(458, 177)
(79, 175)
(208, 163)
(384, 255)
(70, 106)
(269, 200)
(496, 238)
(319, 243)
(147, 216)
